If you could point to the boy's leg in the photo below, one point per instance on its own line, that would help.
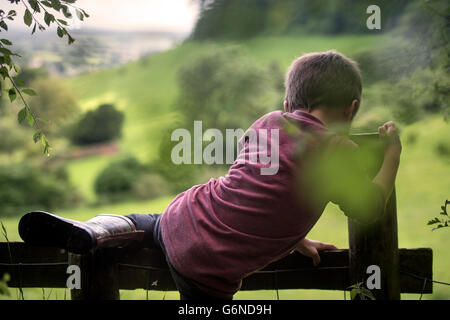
(103, 231)
(150, 224)
(189, 291)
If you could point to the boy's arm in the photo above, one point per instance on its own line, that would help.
(311, 248)
(349, 186)
(385, 178)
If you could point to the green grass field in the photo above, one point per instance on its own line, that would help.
(145, 90)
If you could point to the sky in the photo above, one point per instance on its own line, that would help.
(164, 15)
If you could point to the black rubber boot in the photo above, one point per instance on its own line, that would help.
(103, 231)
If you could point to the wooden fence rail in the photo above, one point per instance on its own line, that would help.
(146, 269)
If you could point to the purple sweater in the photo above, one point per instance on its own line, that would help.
(219, 232)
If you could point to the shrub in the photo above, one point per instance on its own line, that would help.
(128, 178)
(412, 138)
(100, 125)
(227, 89)
(224, 89)
(55, 102)
(118, 177)
(24, 187)
(442, 148)
(150, 186)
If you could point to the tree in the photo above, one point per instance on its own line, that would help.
(53, 12)
(225, 89)
(54, 101)
(99, 125)
(248, 18)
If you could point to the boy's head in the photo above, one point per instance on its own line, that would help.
(326, 80)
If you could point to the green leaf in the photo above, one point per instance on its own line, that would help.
(66, 12)
(79, 15)
(30, 119)
(367, 293)
(7, 60)
(85, 14)
(47, 4)
(3, 25)
(6, 41)
(34, 29)
(22, 115)
(435, 220)
(62, 22)
(12, 94)
(29, 92)
(48, 18)
(45, 144)
(27, 17)
(43, 120)
(56, 4)
(37, 136)
(4, 72)
(61, 32)
(18, 81)
(70, 40)
(6, 51)
(444, 209)
(34, 5)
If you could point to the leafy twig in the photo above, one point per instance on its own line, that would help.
(357, 290)
(31, 9)
(441, 222)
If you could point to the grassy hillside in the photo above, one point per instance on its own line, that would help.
(145, 90)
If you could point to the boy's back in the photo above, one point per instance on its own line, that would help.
(221, 231)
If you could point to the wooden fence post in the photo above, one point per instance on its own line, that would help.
(375, 243)
(99, 277)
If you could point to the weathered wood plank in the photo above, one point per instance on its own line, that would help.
(24, 253)
(147, 268)
(98, 276)
(418, 262)
(30, 265)
(376, 243)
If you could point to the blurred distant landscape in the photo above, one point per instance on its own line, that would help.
(94, 49)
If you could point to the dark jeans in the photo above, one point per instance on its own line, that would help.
(150, 223)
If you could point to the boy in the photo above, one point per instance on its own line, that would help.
(215, 234)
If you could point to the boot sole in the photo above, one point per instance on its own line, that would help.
(45, 229)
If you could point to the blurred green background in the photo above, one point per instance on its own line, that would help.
(111, 122)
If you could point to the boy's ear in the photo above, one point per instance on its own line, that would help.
(352, 109)
(286, 106)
